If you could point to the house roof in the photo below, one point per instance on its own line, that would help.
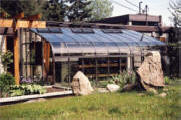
(123, 19)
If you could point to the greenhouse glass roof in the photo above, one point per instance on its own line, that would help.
(99, 41)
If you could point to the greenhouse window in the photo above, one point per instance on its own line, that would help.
(112, 30)
(82, 30)
(43, 30)
(55, 30)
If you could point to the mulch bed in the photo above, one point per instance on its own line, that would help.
(52, 89)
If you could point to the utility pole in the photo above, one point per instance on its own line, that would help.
(146, 9)
(140, 7)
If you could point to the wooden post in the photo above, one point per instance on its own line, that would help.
(21, 52)
(43, 79)
(16, 59)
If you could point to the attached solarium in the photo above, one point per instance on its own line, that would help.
(98, 53)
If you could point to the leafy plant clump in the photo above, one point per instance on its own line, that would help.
(168, 80)
(124, 78)
(18, 90)
(6, 80)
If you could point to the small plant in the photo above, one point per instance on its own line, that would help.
(6, 80)
(124, 78)
(167, 80)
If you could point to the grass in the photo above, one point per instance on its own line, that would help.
(108, 106)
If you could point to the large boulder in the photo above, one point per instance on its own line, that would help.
(81, 85)
(113, 87)
(150, 72)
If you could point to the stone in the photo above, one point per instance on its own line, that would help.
(150, 71)
(128, 87)
(163, 94)
(102, 90)
(81, 84)
(113, 87)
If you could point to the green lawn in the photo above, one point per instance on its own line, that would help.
(108, 106)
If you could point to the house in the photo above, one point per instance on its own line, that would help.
(144, 23)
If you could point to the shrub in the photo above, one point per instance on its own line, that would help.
(6, 80)
(124, 78)
(167, 80)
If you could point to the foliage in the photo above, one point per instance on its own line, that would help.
(6, 59)
(124, 78)
(78, 11)
(18, 90)
(108, 106)
(6, 80)
(167, 80)
(54, 10)
(100, 9)
(2, 11)
(176, 12)
(29, 7)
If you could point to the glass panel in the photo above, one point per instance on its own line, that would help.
(110, 44)
(56, 44)
(72, 45)
(85, 44)
(99, 44)
(87, 30)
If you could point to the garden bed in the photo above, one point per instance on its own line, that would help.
(50, 92)
(11, 100)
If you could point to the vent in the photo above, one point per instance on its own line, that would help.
(82, 30)
(43, 30)
(55, 30)
(112, 30)
(49, 30)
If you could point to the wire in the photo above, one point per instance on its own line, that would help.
(124, 6)
(131, 3)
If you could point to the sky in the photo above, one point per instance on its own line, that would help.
(156, 7)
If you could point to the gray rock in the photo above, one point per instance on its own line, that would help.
(128, 87)
(81, 85)
(113, 87)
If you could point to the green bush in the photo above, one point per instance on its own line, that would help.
(6, 80)
(19, 90)
(167, 80)
(124, 78)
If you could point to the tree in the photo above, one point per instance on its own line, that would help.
(78, 10)
(100, 9)
(29, 7)
(176, 12)
(54, 10)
